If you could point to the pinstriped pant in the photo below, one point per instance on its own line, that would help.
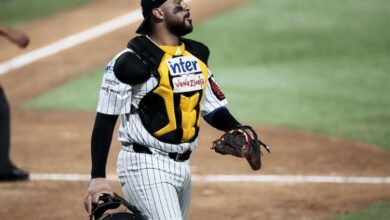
(157, 185)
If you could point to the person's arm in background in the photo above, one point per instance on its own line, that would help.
(15, 36)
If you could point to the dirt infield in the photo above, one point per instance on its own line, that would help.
(58, 142)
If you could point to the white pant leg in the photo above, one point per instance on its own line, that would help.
(155, 184)
(185, 195)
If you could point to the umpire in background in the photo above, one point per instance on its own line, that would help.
(8, 171)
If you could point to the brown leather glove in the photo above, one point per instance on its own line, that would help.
(241, 142)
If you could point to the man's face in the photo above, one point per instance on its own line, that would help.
(177, 17)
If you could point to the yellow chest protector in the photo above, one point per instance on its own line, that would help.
(183, 78)
(171, 111)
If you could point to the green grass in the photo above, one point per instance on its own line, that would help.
(81, 94)
(379, 211)
(16, 12)
(277, 31)
(335, 104)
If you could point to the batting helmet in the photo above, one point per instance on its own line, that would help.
(109, 202)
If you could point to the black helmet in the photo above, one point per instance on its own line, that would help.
(108, 202)
(147, 8)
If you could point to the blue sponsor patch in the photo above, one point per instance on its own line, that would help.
(183, 65)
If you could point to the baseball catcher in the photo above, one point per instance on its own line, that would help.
(100, 211)
(158, 88)
(241, 141)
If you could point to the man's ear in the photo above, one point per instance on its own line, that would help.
(158, 14)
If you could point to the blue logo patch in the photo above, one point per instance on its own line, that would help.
(183, 65)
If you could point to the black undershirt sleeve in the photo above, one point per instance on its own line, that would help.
(100, 143)
(221, 119)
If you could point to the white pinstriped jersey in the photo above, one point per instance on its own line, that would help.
(116, 98)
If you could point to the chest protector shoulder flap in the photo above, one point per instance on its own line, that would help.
(171, 110)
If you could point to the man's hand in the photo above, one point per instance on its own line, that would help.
(95, 188)
(15, 36)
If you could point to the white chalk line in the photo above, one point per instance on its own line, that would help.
(70, 41)
(283, 179)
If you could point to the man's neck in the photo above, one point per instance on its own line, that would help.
(165, 39)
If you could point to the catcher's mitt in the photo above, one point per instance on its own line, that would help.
(241, 142)
(107, 202)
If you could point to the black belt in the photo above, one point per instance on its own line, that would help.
(174, 156)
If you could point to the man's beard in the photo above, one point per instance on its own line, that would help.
(180, 28)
